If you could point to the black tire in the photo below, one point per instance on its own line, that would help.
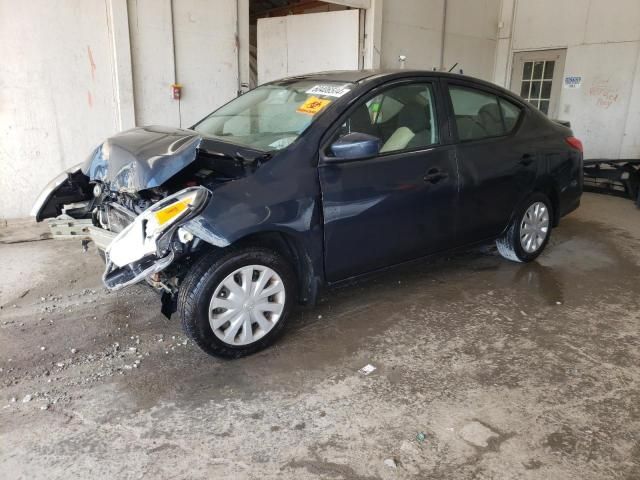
(509, 244)
(200, 284)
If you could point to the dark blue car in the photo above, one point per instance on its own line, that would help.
(312, 180)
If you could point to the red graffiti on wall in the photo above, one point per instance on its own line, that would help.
(604, 94)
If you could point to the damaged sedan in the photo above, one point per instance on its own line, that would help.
(310, 181)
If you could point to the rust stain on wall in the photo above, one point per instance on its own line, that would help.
(92, 64)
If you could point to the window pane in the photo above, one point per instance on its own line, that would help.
(374, 106)
(524, 90)
(537, 70)
(510, 113)
(383, 108)
(401, 117)
(535, 89)
(526, 71)
(546, 90)
(548, 70)
(544, 106)
(477, 113)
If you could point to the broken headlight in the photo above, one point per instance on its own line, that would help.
(169, 211)
(146, 235)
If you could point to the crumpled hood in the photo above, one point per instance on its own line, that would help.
(142, 158)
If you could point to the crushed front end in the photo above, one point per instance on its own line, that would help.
(153, 240)
(133, 198)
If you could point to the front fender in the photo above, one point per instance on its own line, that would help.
(298, 222)
(221, 227)
(205, 230)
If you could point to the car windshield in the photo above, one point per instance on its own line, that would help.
(273, 116)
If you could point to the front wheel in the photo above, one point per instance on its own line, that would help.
(236, 303)
(529, 231)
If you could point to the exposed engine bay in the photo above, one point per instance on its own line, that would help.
(114, 211)
(133, 196)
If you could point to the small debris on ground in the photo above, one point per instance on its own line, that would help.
(27, 398)
(367, 369)
(390, 462)
(421, 437)
(477, 434)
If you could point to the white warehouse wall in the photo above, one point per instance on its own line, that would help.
(414, 28)
(57, 98)
(151, 36)
(206, 55)
(471, 36)
(602, 38)
(203, 33)
(78, 71)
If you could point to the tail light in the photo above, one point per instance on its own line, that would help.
(575, 143)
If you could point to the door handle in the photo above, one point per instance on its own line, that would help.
(434, 176)
(526, 159)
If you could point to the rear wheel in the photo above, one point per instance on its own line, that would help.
(529, 231)
(237, 303)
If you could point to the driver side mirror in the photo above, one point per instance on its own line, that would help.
(355, 145)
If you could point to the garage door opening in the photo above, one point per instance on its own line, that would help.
(296, 37)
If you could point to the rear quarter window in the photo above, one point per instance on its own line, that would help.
(510, 113)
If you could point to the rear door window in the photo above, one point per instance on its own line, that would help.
(478, 114)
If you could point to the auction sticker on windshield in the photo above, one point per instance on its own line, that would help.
(328, 90)
(313, 105)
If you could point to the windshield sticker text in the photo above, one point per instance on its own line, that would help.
(328, 90)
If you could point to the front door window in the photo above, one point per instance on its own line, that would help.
(402, 117)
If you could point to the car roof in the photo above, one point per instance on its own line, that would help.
(379, 75)
(351, 76)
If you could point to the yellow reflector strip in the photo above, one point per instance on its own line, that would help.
(170, 211)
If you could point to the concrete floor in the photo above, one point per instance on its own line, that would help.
(509, 371)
